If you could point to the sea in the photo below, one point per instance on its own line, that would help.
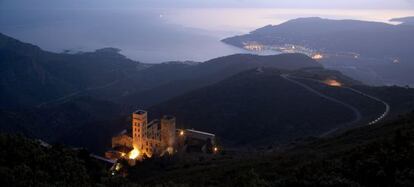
(156, 35)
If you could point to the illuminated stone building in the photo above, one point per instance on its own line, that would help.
(156, 138)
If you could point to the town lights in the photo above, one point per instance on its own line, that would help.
(317, 56)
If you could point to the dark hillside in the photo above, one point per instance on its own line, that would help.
(30, 76)
(191, 77)
(82, 122)
(27, 162)
(256, 107)
(259, 106)
(370, 156)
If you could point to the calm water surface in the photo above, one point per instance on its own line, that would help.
(157, 35)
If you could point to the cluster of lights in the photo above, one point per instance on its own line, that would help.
(253, 47)
(317, 56)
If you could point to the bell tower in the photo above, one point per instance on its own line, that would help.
(168, 133)
(139, 127)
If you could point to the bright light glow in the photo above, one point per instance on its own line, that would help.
(134, 154)
(215, 149)
(332, 82)
(181, 133)
(317, 56)
(118, 166)
(170, 150)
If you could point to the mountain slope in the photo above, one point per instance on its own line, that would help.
(30, 76)
(261, 107)
(28, 162)
(33, 77)
(56, 97)
(191, 77)
(82, 122)
(378, 155)
(255, 104)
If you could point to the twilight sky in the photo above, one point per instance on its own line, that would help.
(382, 4)
(309, 4)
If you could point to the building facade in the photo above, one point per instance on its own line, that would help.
(156, 137)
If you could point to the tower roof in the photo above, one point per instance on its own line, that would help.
(168, 117)
(140, 112)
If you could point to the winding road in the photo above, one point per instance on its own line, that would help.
(387, 106)
(356, 112)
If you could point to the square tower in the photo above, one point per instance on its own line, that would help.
(168, 133)
(139, 128)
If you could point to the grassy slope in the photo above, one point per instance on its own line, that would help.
(25, 162)
(369, 156)
(255, 107)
